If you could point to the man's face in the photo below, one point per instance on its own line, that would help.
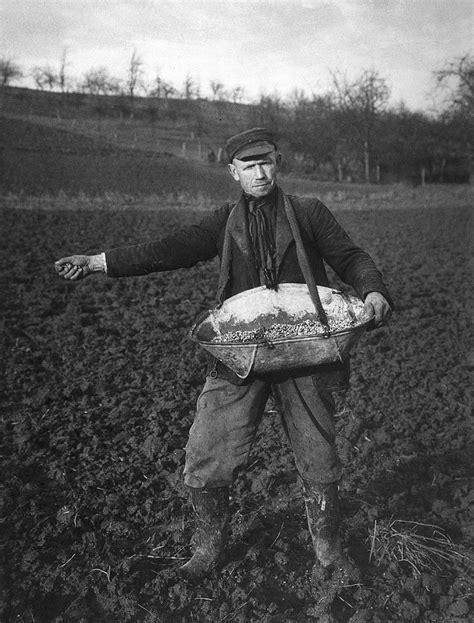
(256, 175)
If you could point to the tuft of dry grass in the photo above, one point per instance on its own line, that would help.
(423, 546)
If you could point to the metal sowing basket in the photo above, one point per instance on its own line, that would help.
(290, 303)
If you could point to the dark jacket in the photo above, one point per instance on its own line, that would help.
(324, 241)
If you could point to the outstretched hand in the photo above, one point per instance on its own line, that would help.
(74, 267)
(377, 306)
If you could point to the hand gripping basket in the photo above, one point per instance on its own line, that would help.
(290, 303)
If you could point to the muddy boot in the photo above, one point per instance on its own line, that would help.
(324, 519)
(211, 508)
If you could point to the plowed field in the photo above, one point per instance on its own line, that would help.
(99, 394)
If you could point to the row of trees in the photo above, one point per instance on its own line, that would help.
(99, 81)
(353, 132)
(363, 143)
(350, 131)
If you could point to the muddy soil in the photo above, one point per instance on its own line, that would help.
(99, 394)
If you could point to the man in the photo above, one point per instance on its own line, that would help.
(260, 250)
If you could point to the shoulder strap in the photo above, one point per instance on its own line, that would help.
(304, 263)
(225, 262)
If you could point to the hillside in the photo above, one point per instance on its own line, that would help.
(190, 128)
(37, 159)
(75, 143)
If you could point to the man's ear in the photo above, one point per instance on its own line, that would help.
(279, 159)
(233, 171)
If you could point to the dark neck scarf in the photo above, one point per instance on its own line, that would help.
(262, 223)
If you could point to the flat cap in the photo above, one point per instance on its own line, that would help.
(253, 142)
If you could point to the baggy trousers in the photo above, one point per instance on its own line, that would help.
(227, 419)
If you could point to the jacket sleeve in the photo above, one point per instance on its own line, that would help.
(349, 261)
(182, 249)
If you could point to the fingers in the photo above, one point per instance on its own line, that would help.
(62, 263)
(75, 273)
(387, 314)
(67, 270)
(380, 310)
(73, 267)
(382, 315)
(369, 309)
(378, 313)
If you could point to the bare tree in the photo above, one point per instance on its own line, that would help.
(156, 89)
(9, 71)
(297, 98)
(161, 89)
(134, 78)
(190, 88)
(168, 90)
(362, 101)
(237, 94)
(100, 82)
(45, 77)
(217, 88)
(63, 80)
(457, 79)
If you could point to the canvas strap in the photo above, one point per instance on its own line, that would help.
(304, 263)
(224, 273)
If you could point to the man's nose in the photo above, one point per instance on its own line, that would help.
(259, 171)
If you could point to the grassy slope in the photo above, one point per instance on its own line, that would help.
(155, 125)
(39, 159)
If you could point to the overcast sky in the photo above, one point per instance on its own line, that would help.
(264, 46)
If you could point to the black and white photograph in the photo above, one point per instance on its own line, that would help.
(236, 311)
